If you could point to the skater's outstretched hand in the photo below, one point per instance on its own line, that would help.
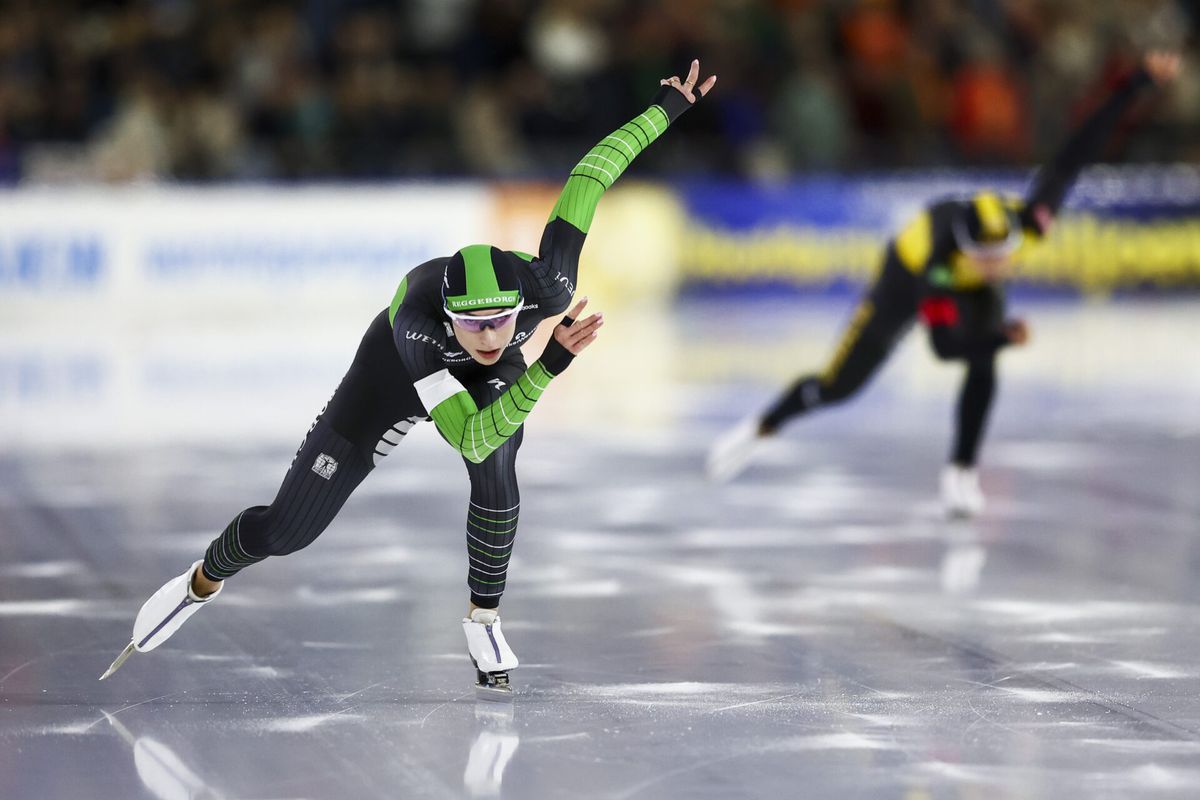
(576, 334)
(571, 336)
(1017, 332)
(688, 86)
(1161, 65)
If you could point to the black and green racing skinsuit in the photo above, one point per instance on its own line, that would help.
(409, 368)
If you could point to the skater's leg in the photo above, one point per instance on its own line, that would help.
(326, 470)
(962, 495)
(492, 522)
(495, 497)
(492, 516)
(870, 337)
(982, 317)
(372, 409)
(877, 324)
(974, 405)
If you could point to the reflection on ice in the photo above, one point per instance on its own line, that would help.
(1143, 669)
(304, 724)
(161, 770)
(42, 569)
(492, 749)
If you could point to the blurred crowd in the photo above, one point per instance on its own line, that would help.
(199, 90)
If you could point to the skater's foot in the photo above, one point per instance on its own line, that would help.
(163, 614)
(961, 495)
(486, 643)
(732, 452)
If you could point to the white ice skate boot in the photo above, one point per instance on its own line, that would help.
(162, 614)
(490, 654)
(732, 452)
(961, 495)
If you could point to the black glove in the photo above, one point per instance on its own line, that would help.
(556, 358)
(672, 101)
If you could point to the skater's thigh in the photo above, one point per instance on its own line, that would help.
(325, 472)
(877, 324)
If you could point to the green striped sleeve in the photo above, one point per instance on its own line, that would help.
(597, 171)
(478, 432)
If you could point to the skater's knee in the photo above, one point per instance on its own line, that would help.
(283, 541)
(266, 531)
(837, 389)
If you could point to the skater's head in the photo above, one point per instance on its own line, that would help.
(481, 293)
(988, 232)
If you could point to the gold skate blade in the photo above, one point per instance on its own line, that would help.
(116, 665)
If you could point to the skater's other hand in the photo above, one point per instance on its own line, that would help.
(574, 333)
(1162, 65)
(688, 86)
(1017, 332)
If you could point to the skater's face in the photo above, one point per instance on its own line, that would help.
(994, 268)
(486, 345)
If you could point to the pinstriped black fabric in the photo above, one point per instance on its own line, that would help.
(492, 522)
(225, 556)
(554, 274)
(315, 499)
(334, 458)
(421, 340)
(326, 471)
(495, 498)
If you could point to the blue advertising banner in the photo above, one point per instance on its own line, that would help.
(1123, 228)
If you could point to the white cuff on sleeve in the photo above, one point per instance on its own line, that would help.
(436, 388)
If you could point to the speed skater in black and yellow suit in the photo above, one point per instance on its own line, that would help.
(946, 268)
(447, 348)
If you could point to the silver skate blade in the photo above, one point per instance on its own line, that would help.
(492, 694)
(116, 665)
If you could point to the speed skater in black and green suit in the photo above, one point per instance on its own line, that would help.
(448, 349)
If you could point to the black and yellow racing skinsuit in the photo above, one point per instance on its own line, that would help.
(925, 275)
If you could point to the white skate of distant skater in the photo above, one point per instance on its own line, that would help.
(962, 497)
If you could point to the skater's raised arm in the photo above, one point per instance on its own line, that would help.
(478, 432)
(557, 265)
(1057, 177)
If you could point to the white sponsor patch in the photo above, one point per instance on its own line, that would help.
(325, 466)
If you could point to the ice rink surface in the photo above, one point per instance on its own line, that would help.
(815, 629)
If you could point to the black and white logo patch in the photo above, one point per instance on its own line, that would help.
(499, 384)
(325, 466)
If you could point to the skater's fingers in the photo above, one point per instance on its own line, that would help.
(581, 331)
(693, 73)
(583, 343)
(706, 87)
(574, 313)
